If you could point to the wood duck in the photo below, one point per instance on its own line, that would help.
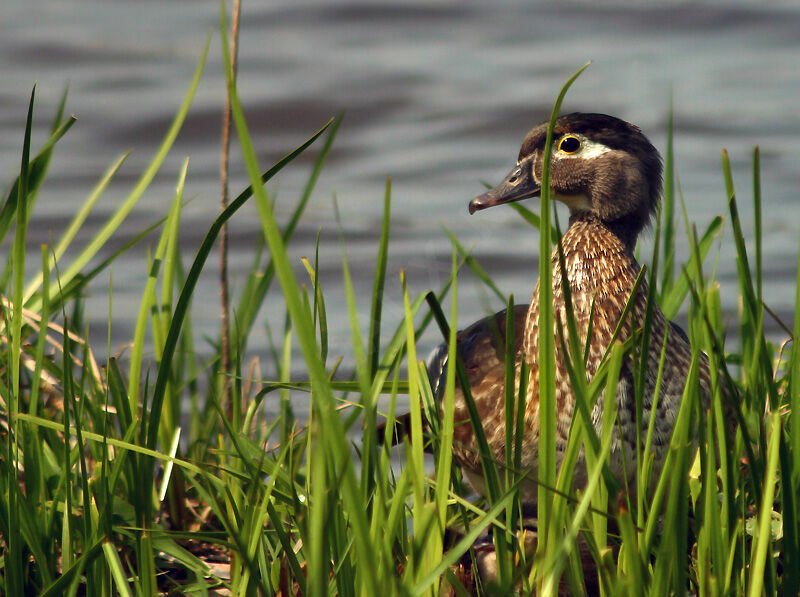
(609, 175)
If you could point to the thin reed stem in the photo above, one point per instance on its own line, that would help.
(224, 297)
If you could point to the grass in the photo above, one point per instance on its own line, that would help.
(105, 489)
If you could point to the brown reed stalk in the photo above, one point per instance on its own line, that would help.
(225, 351)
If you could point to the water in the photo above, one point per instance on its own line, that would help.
(438, 95)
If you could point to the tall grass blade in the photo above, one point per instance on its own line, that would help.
(446, 429)
(182, 305)
(13, 558)
(334, 437)
(794, 386)
(148, 300)
(379, 282)
(763, 538)
(545, 358)
(668, 209)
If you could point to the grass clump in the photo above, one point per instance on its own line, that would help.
(105, 488)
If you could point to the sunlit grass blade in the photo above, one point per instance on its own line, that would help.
(148, 302)
(77, 222)
(334, 437)
(763, 537)
(673, 298)
(545, 358)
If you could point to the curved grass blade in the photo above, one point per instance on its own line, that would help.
(251, 300)
(77, 221)
(37, 169)
(203, 252)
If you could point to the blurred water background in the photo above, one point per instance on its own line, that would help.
(437, 94)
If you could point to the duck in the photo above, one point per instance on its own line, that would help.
(609, 176)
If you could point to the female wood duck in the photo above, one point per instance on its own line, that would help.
(609, 175)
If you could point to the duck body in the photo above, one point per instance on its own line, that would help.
(611, 182)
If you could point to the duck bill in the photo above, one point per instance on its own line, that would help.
(518, 185)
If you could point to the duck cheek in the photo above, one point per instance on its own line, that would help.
(611, 195)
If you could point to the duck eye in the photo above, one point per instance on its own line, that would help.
(569, 144)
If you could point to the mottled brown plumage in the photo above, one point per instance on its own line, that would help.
(609, 175)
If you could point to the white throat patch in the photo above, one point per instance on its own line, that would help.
(575, 203)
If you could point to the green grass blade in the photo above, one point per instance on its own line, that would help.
(673, 298)
(19, 262)
(379, 282)
(763, 538)
(545, 358)
(13, 562)
(36, 171)
(334, 437)
(252, 300)
(794, 385)
(445, 456)
(148, 302)
(77, 222)
(668, 210)
(181, 307)
(757, 223)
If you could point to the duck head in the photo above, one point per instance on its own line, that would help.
(600, 164)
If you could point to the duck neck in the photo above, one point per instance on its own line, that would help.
(622, 231)
(627, 230)
(594, 255)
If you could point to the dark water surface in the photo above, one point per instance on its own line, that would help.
(438, 95)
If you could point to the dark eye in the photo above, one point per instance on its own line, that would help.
(569, 144)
